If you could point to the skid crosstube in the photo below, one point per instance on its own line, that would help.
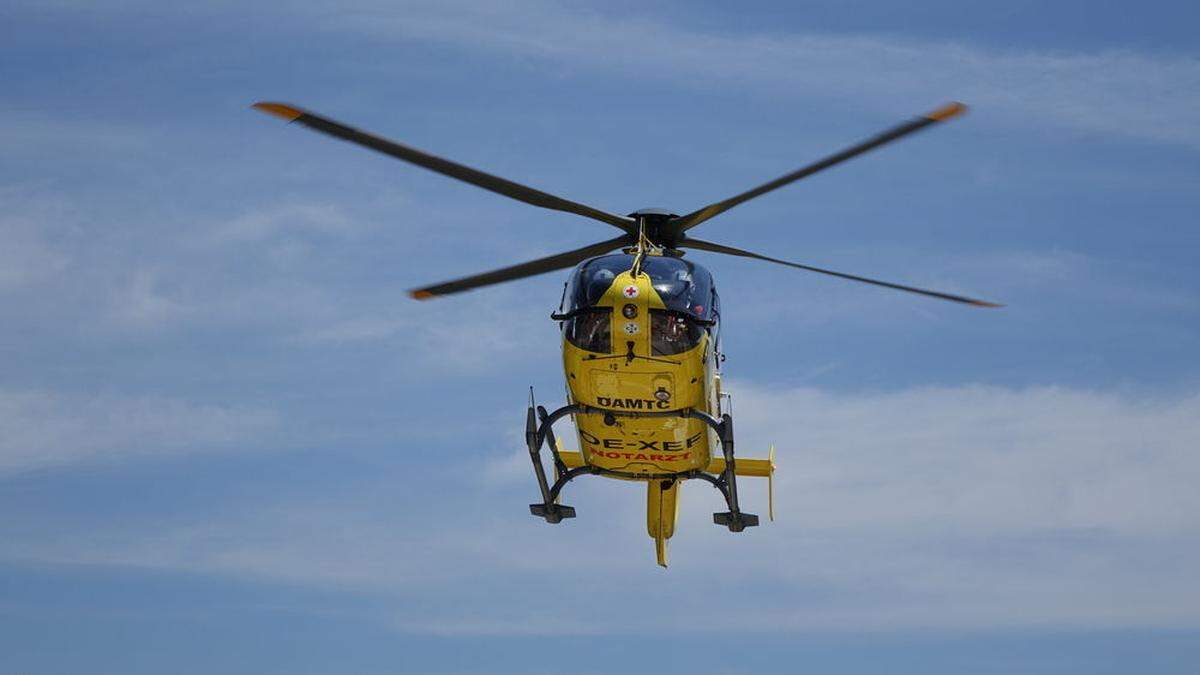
(539, 428)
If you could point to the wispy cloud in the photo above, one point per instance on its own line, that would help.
(140, 301)
(26, 256)
(954, 507)
(970, 456)
(279, 219)
(264, 269)
(1122, 92)
(35, 132)
(40, 429)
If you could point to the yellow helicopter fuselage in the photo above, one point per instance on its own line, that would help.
(636, 378)
(641, 359)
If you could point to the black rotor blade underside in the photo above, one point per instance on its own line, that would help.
(684, 223)
(526, 269)
(702, 245)
(444, 166)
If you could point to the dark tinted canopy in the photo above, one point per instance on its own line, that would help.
(683, 285)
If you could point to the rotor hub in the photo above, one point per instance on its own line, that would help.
(655, 222)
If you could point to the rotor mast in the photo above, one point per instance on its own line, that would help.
(656, 225)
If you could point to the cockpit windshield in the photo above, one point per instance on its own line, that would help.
(684, 286)
(592, 278)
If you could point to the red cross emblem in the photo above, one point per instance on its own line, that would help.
(631, 291)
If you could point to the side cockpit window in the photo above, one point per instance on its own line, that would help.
(673, 333)
(589, 330)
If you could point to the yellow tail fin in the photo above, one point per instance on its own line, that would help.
(662, 508)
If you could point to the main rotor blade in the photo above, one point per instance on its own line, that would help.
(721, 248)
(526, 269)
(684, 223)
(444, 166)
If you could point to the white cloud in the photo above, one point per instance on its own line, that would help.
(358, 328)
(265, 269)
(31, 234)
(39, 131)
(991, 457)
(516, 624)
(141, 302)
(954, 507)
(473, 333)
(1141, 95)
(26, 256)
(1044, 275)
(280, 219)
(1138, 94)
(41, 429)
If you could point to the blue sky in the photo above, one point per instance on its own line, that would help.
(226, 435)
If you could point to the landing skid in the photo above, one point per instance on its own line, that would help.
(539, 428)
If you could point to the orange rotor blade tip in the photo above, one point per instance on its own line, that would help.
(287, 112)
(420, 295)
(947, 111)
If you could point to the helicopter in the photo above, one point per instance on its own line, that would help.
(641, 339)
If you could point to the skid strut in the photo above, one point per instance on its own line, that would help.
(535, 435)
(539, 430)
(734, 519)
